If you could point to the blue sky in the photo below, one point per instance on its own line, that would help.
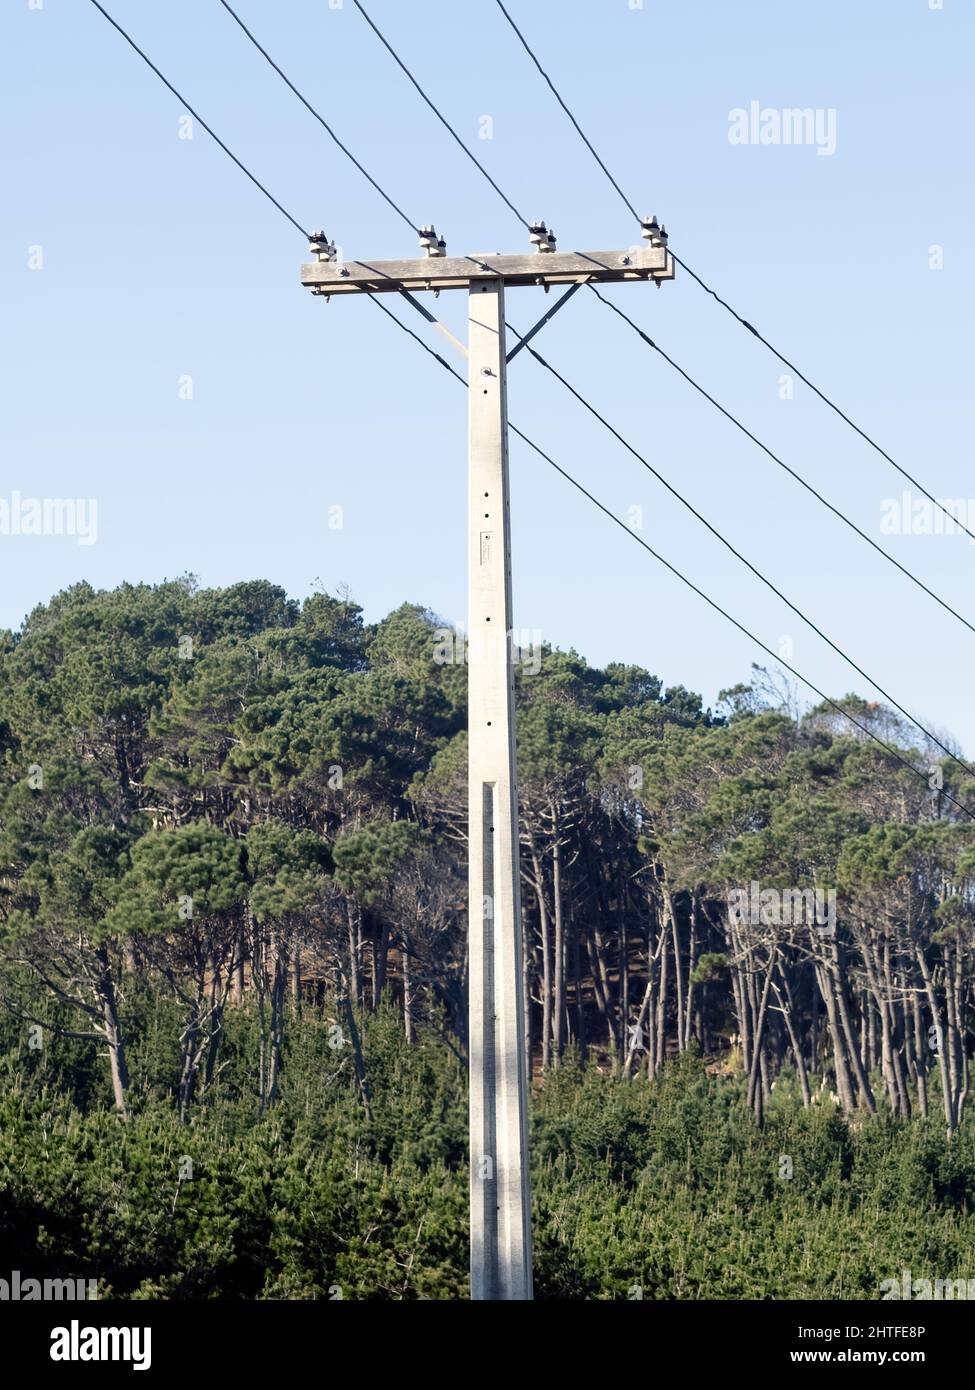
(161, 261)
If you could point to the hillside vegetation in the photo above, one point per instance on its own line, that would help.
(232, 965)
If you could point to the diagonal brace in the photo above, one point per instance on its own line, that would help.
(563, 299)
(434, 322)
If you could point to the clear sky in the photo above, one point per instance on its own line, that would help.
(159, 261)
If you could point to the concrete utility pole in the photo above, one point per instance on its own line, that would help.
(501, 1245)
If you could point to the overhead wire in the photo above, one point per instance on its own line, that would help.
(836, 511)
(608, 426)
(439, 114)
(827, 400)
(803, 482)
(197, 117)
(547, 458)
(769, 584)
(320, 118)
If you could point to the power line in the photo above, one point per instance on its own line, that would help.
(320, 119)
(588, 406)
(743, 558)
(417, 339)
(834, 704)
(826, 399)
(439, 114)
(700, 592)
(209, 130)
(781, 462)
(636, 328)
(410, 299)
(542, 454)
(724, 304)
(740, 626)
(555, 92)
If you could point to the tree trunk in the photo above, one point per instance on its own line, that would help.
(558, 1007)
(543, 931)
(844, 1081)
(111, 1026)
(408, 1030)
(755, 1090)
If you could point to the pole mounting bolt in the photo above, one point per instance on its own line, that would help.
(431, 243)
(653, 232)
(320, 246)
(541, 238)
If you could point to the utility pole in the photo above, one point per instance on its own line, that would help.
(500, 1200)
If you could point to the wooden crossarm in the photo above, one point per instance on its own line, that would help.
(458, 272)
